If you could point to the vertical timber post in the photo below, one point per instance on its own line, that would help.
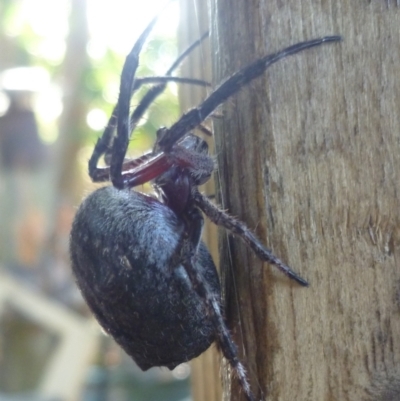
(309, 157)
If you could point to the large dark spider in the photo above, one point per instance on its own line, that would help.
(139, 260)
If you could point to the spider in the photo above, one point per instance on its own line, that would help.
(139, 260)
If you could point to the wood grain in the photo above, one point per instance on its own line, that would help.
(309, 157)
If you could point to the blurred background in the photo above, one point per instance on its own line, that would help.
(60, 63)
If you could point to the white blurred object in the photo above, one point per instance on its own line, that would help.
(79, 339)
(31, 79)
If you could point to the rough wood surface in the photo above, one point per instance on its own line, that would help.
(309, 157)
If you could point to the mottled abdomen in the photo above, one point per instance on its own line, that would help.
(122, 248)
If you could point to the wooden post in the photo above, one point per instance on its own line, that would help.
(309, 157)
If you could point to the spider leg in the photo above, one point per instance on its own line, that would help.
(166, 79)
(223, 337)
(102, 145)
(104, 142)
(121, 141)
(220, 218)
(180, 58)
(229, 87)
(176, 63)
(186, 52)
(122, 109)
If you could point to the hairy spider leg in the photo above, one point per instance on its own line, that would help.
(123, 104)
(103, 144)
(149, 98)
(220, 218)
(164, 79)
(224, 339)
(233, 84)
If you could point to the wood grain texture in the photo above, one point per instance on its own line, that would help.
(309, 157)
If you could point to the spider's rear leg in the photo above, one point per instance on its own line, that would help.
(220, 218)
(223, 337)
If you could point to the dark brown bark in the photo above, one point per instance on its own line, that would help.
(309, 157)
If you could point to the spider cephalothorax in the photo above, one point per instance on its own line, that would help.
(139, 260)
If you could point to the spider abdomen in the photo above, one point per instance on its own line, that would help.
(123, 250)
